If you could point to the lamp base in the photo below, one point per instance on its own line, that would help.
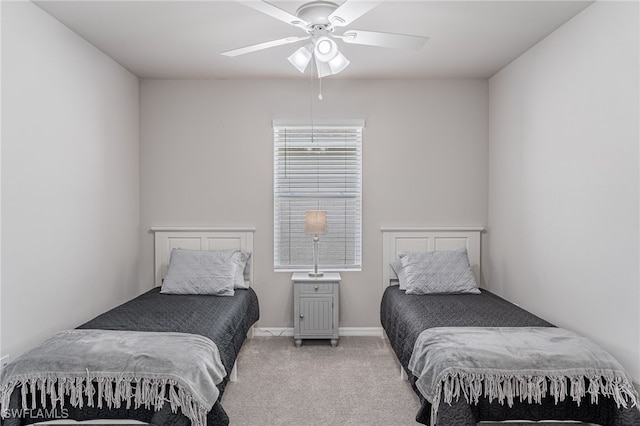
(316, 274)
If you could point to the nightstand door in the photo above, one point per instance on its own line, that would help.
(315, 316)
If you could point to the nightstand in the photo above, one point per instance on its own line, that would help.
(316, 302)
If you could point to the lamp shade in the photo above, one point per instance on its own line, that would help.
(301, 57)
(315, 222)
(325, 49)
(338, 63)
(323, 69)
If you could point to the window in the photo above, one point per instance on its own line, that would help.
(318, 167)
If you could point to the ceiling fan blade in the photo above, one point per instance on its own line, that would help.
(261, 46)
(349, 11)
(275, 12)
(374, 38)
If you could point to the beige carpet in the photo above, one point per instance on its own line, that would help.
(356, 383)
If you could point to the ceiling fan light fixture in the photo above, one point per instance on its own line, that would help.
(326, 49)
(301, 57)
(334, 66)
(323, 68)
(338, 63)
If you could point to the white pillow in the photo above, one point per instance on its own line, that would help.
(203, 272)
(438, 272)
(243, 269)
(396, 265)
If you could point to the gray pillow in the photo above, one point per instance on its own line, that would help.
(438, 272)
(202, 272)
(396, 265)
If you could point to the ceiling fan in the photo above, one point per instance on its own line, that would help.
(320, 20)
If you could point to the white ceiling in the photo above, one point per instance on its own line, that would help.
(183, 39)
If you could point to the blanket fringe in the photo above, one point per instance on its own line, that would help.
(530, 389)
(111, 391)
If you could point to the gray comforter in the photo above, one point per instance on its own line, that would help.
(505, 363)
(119, 368)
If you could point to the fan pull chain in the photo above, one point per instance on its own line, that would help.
(320, 88)
(312, 73)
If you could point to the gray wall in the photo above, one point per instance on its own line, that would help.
(564, 184)
(207, 159)
(70, 191)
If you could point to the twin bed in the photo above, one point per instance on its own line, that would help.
(406, 316)
(226, 321)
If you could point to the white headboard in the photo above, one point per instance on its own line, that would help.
(396, 240)
(198, 238)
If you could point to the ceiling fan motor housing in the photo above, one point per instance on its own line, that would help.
(316, 13)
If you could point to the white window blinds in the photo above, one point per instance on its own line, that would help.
(318, 168)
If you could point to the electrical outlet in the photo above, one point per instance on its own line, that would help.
(4, 361)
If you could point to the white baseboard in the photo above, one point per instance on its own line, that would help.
(361, 331)
(342, 331)
(272, 332)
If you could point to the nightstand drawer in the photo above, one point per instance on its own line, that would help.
(316, 288)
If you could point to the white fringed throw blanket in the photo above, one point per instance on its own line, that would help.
(122, 367)
(505, 363)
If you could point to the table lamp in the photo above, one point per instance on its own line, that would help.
(315, 224)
